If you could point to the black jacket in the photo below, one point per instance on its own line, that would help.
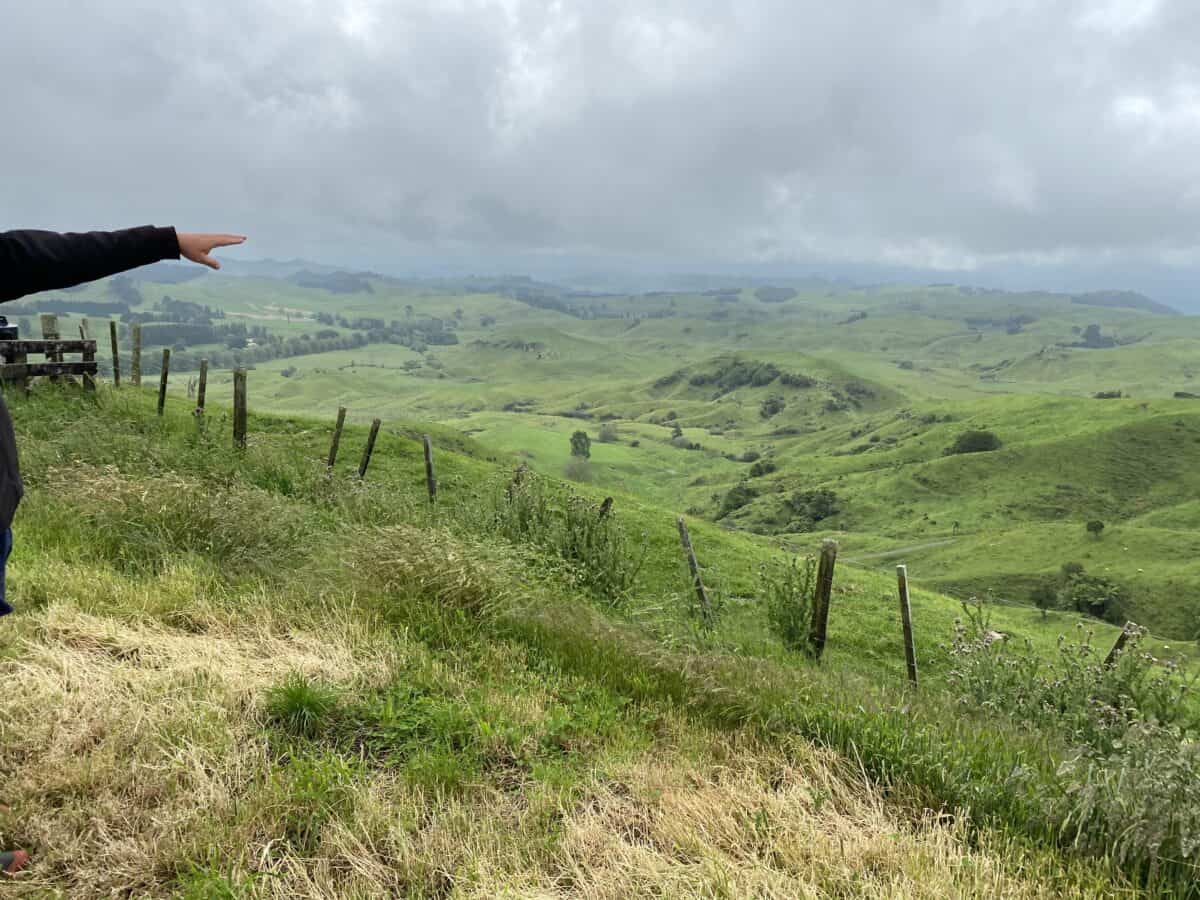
(32, 261)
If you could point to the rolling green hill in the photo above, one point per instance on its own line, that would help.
(735, 405)
(234, 674)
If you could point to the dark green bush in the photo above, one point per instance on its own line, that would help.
(974, 442)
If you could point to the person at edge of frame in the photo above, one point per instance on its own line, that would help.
(32, 261)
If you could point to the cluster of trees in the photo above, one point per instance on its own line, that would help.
(973, 442)
(1082, 591)
(774, 294)
(1093, 339)
(334, 282)
(737, 373)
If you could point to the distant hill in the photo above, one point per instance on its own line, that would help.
(169, 273)
(273, 268)
(334, 282)
(1124, 300)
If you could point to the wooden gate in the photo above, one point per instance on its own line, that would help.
(16, 368)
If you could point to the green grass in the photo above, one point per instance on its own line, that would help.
(387, 647)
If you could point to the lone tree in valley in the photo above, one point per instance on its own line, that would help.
(1094, 528)
(581, 445)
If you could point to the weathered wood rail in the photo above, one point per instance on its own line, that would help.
(16, 367)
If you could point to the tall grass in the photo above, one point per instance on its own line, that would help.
(597, 553)
(786, 594)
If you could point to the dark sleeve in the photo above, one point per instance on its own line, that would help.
(32, 261)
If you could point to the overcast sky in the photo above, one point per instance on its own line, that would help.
(956, 135)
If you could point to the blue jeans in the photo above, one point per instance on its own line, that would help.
(6, 544)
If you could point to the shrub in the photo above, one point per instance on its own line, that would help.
(762, 467)
(811, 507)
(581, 445)
(1044, 597)
(739, 495)
(785, 591)
(1094, 527)
(974, 442)
(771, 406)
(609, 434)
(1074, 694)
(796, 380)
(1095, 595)
(1129, 785)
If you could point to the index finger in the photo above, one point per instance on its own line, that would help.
(227, 240)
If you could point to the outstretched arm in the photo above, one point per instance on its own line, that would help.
(32, 261)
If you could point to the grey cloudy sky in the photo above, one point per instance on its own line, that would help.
(938, 135)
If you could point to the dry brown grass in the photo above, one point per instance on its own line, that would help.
(131, 748)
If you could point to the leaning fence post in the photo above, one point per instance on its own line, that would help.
(89, 380)
(239, 408)
(162, 380)
(337, 438)
(1127, 632)
(368, 450)
(820, 617)
(84, 330)
(112, 331)
(200, 391)
(430, 475)
(135, 362)
(694, 567)
(910, 652)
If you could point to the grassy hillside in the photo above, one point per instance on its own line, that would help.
(735, 404)
(233, 675)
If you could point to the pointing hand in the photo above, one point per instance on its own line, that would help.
(197, 247)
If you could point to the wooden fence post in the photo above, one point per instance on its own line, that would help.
(1122, 639)
(820, 617)
(694, 567)
(337, 438)
(50, 328)
(910, 652)
(50, 333)
(239, 408)
(162, 380)
(23, 382)
(84, 330)
(202, 389)
(112, 331)
(135, 362)
(89, 381)
(368, 450)
(430, 475)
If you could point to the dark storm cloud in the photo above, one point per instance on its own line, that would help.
(931, 134)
